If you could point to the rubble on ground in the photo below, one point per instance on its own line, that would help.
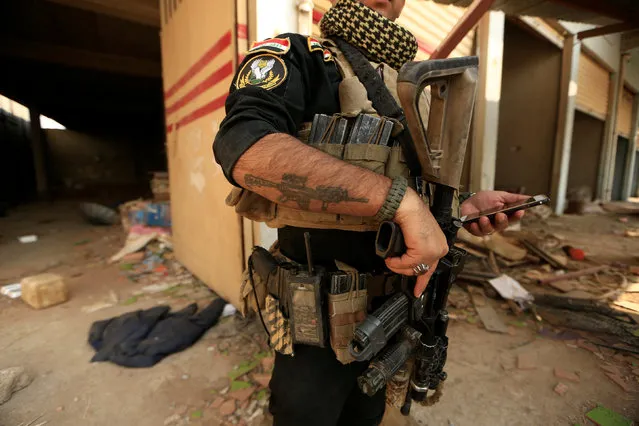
(545, 282)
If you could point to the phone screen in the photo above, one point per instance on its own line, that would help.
(508, 210)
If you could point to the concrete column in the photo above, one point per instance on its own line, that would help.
(629, 172)
(565, 122)
(305, 17)
(610, 144)
(38, 150)
(609, 130)
(490, 37)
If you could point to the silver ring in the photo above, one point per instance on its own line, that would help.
(421, 269)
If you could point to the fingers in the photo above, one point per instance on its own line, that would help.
(485, 226)
(423, 280)
(473, 228)
(501, 222)
(517, 215)
(509, 197)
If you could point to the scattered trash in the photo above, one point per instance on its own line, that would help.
(574, 253)
(619, 381)
(88, 309)
(623, 219)
(44, 290)
(98, 214)
(262, 379)
(566, 375)
(229, 310)
(26, 239)
(603, 416)
(509, 288)
(561, 389)
(12, 291)
(133, 244)
(631, 233)
(487, 314)
(575, 274)
(13, 380)
(227, 408)
(147, 213)
(622, 207)
(628, 305)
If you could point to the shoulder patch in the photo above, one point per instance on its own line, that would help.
(278, 46)
(314, 44)
(265, 71)
(328, 56)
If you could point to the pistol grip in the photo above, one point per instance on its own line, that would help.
(389, 241)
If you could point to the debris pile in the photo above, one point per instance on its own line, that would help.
(240, 398)
(543, 281)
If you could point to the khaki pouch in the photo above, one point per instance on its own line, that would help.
(334, 149)
(368, 156)
(251, 205)
(345, 312)
(396, 165)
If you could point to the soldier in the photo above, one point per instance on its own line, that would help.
(281, 84)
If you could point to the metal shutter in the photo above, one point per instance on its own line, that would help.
(624, 113)
(593, 88)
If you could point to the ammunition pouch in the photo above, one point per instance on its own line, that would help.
(319, 309)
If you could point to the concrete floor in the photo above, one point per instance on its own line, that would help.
(483, 387)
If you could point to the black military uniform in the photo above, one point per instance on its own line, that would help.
(282, 83)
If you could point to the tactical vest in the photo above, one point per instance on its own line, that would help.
(385, 160)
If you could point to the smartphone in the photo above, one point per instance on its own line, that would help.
(507, 210)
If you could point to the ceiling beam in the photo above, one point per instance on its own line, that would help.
(605, 8)
(629, 40)
(608, 29)
(130, 10)
(79, 58)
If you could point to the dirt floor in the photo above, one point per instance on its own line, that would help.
(484, 386)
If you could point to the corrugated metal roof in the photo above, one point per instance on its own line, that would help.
(598, 12)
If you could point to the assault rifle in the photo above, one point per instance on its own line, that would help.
(406, 328)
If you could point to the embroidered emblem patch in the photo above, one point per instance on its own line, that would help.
(328, 56)
(314, 44)
(279, 46)
(265, 71)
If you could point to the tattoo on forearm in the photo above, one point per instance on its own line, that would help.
(294, 188)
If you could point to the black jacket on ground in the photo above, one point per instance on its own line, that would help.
(144, 337)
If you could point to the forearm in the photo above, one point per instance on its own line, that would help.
(286, 171)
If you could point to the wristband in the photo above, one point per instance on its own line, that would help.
(393, 199)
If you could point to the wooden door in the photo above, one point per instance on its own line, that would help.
(199, 56)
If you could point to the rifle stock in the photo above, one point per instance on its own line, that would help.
(440, 150)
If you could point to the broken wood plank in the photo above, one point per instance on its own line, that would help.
(492, 263)
(628, 305)
(622, 207)
(575, 274)
(494, 242)
(563, 286)
(473, 252)
(547, 257)
(487, 315)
